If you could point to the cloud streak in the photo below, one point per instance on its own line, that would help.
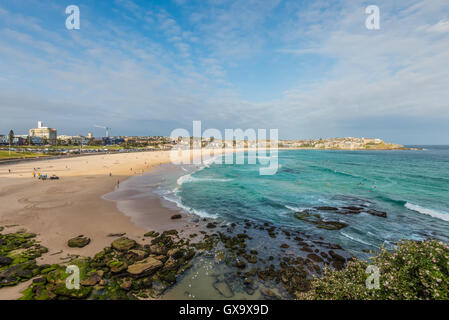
(164, 66)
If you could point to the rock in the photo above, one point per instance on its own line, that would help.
(211, 225)
(117, 266)
(157, 249)
(40, 280)
(318, 221)
(239, 264)
(157, 288)
(224, 289)
(126, 285)
(332, 225)
(4, 261)
(176, 216)
(377, 213)
(161, 258)
(336, 256)
(220, 256)
(152, 234)
(123, 244)
(352, 209)
(324, 255)
(314, 257)
(306, 249)
(170, 264)
(326, 208)
(139, 254)
(252, 259)
(176, 253)
(78, 242)
(269, 294)
(338, 265)
(249, 291)
(116, 234)
(284, 246)
(60, 289)
(146, 266)
(93, 279)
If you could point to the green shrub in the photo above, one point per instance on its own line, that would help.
(414, 270)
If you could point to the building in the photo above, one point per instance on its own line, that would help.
(75, 140)
(4, 139)
(45, 133)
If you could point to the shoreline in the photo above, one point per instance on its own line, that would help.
(235, 260)
(58, 210)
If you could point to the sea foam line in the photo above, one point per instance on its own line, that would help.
(200, 213)
(443, 216)
(188, 178)
(357, 239)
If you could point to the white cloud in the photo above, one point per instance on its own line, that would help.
(124, 78)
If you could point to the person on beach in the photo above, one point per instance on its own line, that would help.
(118, 183)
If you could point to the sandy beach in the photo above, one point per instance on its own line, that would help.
(57, 210)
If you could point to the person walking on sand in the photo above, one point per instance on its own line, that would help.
(118, 184)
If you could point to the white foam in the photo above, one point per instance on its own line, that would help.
(201, 213)
(440, 215)
(188, 178)
(356, 239)
(295, 209)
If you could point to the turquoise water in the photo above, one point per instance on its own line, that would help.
(412, 187)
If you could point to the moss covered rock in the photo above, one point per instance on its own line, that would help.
(78, 242)
(123, 244)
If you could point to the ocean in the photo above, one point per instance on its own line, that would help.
(410, 186)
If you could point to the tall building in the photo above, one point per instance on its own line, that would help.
(44, 133)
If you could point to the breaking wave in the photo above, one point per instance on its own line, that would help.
(429, 212)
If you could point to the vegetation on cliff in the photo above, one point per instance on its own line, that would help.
(414, 270)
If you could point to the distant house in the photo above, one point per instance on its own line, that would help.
(4, 139)
(44, 133)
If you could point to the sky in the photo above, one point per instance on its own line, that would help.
(310, 69)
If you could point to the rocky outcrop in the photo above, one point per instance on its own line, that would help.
(123, 244)
(78, 242)
(224, 289)
(146, 266)
(319, 222)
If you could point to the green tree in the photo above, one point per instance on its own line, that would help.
(11, 136)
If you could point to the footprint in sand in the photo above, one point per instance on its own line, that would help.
(38, 203)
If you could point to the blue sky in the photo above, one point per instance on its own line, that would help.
(308, 68)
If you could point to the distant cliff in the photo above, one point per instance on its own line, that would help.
(348, 143)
